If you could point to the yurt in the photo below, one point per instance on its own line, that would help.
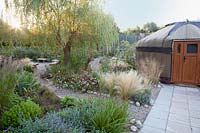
(177, 48)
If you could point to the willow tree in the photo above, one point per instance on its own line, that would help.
(71, 22)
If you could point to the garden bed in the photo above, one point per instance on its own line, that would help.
(48, 95)
(135, 112)
(141, 112)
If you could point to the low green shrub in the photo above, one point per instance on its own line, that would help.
(14, 99)
(45, 98)
(28, 68)
(26, 82)
(25, 110)
(96, 116)
(66, 78)
(142, 96)
(68, 81)
(68, 102)
(102, 115)
(23, 53)
(88, 82)
(51, 123)
(105, 67)
(60, 70)
(130, 56)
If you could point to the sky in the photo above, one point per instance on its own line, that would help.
(132, 13)
(9, 16)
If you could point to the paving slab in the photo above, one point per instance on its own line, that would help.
(163, 102)
(178, 127)
(194, 107)
(194, 114)
(194, 102)
(195, 130)
(147, 129)
(156, 123)
(176, 110)
(180, 105)
(195, 122)
(159, 114)
(180, 96)
(182, 119)
(193, 98)
(161, 107)
(177, 99)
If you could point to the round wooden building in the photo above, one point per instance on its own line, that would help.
(177, 47)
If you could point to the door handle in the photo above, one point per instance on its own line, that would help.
(184, 59)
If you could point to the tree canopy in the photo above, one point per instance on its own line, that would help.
(132, 35)
(71, 23)
(150, 27)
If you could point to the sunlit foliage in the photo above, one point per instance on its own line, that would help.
(68, 23)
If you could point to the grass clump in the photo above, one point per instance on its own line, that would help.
(8, 83)
(110, 117)
(123, 83)
(151, 69)
(28, 68)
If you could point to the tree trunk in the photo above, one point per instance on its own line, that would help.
(67, 50)
(88, 61)
(97, 47)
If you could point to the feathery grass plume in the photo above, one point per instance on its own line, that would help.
(129, 82)
(151, 69)
(108, 81)
(7, 82)
(123, 83)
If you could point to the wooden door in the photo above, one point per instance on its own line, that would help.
(190, 62)
(186, 62)
(178, 53)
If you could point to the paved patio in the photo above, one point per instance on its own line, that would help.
(176, 110)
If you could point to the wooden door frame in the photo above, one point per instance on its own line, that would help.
(172, 62)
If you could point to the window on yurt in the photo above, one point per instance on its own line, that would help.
(179, 48)
(192, 48)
